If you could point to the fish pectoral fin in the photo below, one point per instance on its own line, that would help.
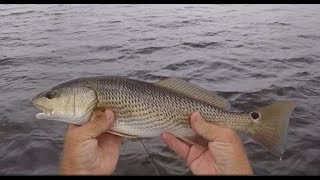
(122, 134)
(96, 114)
(194, 91)
(194, 140)
(99, 114)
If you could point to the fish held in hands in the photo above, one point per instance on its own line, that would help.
(146, 109)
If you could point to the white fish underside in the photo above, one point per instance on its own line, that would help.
(146, 130)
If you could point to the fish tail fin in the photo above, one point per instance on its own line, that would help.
(271, 127)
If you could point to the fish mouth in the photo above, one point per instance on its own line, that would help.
(45, 114)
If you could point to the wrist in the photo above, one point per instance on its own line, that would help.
(66, 168)
(66, 171)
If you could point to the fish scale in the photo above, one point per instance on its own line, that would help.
(146, 110)
(176, 112)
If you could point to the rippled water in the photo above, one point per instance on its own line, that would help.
(253, 55)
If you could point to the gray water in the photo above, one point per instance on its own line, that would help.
(253, 55)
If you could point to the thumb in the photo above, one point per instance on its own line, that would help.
(97, 126)
(207, 130)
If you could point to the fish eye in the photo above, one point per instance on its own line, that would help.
(49, 95)
(254, 115)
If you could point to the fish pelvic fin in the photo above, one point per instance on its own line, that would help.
(194, 139)
(271, 126)
(122, 134)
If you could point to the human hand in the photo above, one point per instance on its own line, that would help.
(88, 149)
(223, 155)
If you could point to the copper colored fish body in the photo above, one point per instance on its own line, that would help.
(146, 110)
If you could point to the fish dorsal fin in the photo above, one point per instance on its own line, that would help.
(194, 91)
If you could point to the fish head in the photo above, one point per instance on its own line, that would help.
(68, 104)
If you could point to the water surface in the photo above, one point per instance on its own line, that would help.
(253, 55)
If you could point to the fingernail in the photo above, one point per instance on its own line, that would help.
(196, 116)
(107, 114)
(162, 135)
